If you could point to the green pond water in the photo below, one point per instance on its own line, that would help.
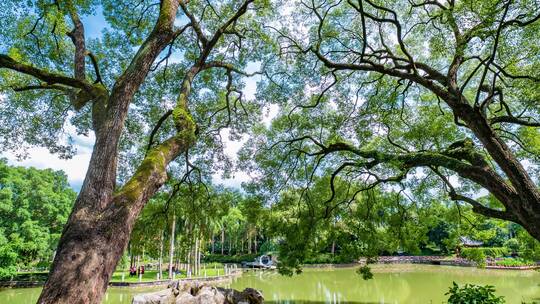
(391, 284)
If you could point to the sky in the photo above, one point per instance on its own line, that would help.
(76, 167)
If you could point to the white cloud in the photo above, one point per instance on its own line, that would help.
(41, 158)
(231, 149)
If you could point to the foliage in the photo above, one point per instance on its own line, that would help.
(512, 244)
(268, 246)
(438, 234)
(468, 294)
(495, 252)
(365, 272)
(237, 259)
(530, 247)
(362, 107)
(476, 255)
(514, 262)
(34, 205)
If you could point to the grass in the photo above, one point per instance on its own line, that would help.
(151, 275)
(148, 276)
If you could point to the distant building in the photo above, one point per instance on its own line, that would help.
(467, 242)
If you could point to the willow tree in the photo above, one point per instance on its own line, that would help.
(136, 78)
(432, 95)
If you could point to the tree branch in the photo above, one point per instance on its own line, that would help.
(94, 61)
(77, 37)
(514, 120)
(48, 77)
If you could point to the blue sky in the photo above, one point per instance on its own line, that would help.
(76, 167)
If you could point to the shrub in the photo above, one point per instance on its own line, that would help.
(476, 255)
(513, 245)
(479, 255)
(473, 294)
(365, 272)
(511, 262)
(495, 252)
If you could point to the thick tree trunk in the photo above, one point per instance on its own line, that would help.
(88, 253)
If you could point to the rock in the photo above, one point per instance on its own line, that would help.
(160, 297)
(248, 296)
(199, 293)
(185, 298)
(208, 295)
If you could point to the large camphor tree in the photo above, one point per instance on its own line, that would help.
(160, 76)
(426, 96)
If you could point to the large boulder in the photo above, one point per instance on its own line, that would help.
(160, 297)
(248, 296)
(199, 293)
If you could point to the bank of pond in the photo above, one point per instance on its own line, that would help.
(397, 283)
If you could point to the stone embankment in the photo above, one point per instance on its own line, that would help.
(431, 260)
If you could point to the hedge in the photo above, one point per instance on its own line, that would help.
(490, 252)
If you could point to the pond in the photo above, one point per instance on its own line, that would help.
(391, 284)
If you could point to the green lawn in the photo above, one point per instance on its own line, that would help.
(151, 275)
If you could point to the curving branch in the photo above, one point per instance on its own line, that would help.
(156, 129)
(477, 207)
(95, 64)
(460, 157)
(529, 122)
(44, 75)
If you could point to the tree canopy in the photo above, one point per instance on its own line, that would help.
(422, 95)
(34, 206)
